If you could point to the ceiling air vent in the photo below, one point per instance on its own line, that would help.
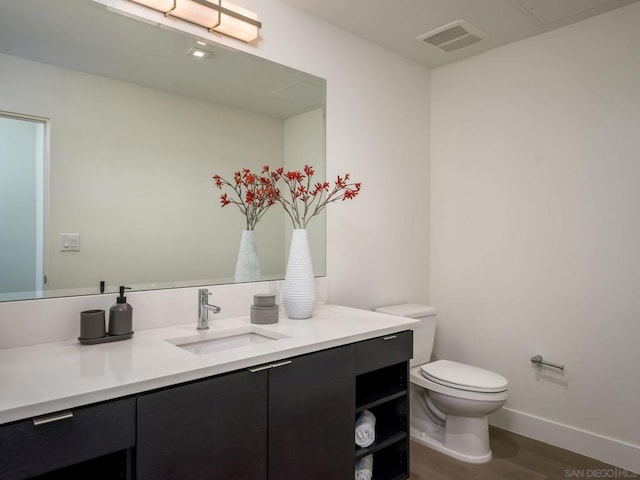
(453, 36)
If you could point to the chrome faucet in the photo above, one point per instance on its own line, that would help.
(203, 309)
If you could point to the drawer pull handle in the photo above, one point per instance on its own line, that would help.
(271, 365)
(259, 369)
(390, 337)
(52, 418)
(281, 364)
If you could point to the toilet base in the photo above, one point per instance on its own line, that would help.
(435, 443)
(463, 438)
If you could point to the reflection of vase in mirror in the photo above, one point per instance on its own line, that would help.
(299, 292)
(248, 265)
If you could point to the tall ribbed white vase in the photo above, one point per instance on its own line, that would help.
(247, 265)
(299, 290)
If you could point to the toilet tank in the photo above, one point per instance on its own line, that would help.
(424, 334)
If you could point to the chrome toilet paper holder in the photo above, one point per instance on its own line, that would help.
(539, 361)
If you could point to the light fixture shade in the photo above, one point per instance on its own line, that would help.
(215, 15)
(195, 12)
(160, 5)
(237, 27)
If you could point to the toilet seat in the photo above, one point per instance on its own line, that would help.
(465, 377)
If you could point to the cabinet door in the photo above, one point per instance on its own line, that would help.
(47, 443)
(311, 417)
(211, 429)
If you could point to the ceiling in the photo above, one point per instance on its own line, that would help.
(395, 24)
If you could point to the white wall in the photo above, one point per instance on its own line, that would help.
(535, 228)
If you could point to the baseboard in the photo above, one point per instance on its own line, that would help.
(614, 452)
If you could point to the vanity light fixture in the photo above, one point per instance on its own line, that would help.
(216, 16)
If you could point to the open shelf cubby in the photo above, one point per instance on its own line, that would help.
(391, 425)
(384, 392)
(381, 385)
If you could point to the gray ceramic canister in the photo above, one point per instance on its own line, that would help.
(92, 324)
(264, 309)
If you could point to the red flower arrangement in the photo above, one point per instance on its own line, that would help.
(305, 199)
(252, 194)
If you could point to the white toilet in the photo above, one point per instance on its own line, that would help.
(450, 401)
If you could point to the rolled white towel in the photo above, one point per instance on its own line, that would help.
(364, 468)
(365, 429)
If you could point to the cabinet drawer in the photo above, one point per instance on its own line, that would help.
(384, 351)
(36, 446)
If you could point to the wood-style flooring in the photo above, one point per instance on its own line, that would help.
(514, 458)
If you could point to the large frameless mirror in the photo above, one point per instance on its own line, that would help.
(110, 133)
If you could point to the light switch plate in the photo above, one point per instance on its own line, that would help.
(69, 242)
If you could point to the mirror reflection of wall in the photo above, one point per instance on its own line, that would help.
(131, 161)
(131, 173)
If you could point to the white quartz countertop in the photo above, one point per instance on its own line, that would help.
(50, 377)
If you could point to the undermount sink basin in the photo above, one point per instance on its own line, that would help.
(210, 342)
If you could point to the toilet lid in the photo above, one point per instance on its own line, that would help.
(463, 377)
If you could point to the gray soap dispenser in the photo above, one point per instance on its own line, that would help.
(121, 316)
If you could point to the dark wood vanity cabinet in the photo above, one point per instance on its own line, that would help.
(301, 408)
(288, 420)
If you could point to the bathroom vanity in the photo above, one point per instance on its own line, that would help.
(154, 407)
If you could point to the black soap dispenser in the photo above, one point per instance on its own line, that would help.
(121, 316)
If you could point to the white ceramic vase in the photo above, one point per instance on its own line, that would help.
(247, 265)
(299, 290)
